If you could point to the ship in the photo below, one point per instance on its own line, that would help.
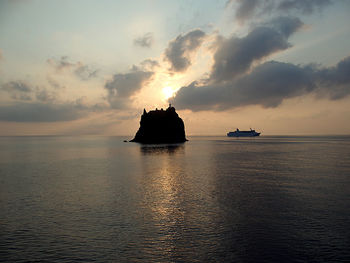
(238, 133)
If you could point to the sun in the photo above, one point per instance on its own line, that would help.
(168, 92)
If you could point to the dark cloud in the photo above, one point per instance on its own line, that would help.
(146, 40)
(285, 25)
(304, 6)
(179, 49)
(247, 9)
(40, 112)
(123, 86)
(18, 90)
(79, 69)
(267, 85)
(235, 56)
(334, 81)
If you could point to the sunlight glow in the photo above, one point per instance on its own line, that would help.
(168, 92)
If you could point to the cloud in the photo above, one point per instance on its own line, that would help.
(40, 112)
(45, 95)
(1, 56)
(304, 6)
(60, 64)
(46, 108)
(14, 86)
(84, 72)
(179, 50)
(285, 25)
(334, 81)
(267, 85)
(53, 83)
(21, 91)
(123, 86)
(149, 64)
(41, 104)
(79, 69)
(146, 40)
(247, 9)
(18, 90)
(235, 56)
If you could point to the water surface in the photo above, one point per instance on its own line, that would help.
(212, 199)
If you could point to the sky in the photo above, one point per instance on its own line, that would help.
(90, 67)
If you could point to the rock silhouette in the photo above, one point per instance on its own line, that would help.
(160, 126)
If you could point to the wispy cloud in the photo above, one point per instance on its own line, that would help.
(146, 40)
(149, 64)
(85, 72)
(54, 83)
(18, 90)
(40, 112)
(60, 64)
(41, 104)
(79, 69)
(23, 91)
(44, 95)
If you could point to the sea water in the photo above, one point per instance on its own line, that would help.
(211, 199)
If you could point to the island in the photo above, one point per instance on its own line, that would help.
(160, 127)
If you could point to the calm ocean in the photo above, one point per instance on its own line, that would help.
(212, 199)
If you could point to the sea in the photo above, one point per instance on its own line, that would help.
(211, 199)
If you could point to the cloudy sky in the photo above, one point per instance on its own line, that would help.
(90, 67)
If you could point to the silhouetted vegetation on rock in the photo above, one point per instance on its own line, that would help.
(160, 126)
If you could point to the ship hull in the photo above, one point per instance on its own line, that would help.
(243, 134)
